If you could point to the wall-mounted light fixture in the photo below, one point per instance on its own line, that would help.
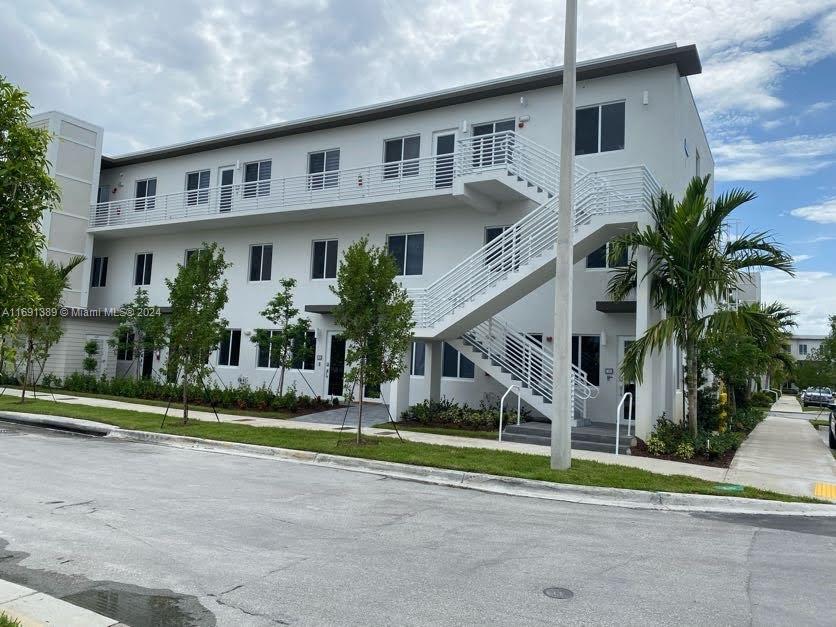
(645, 97)
(464, 126)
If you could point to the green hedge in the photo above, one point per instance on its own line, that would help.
(242, 397)
(450, 414)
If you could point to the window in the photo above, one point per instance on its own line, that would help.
(599, 128)
(493, 149)
(142, 272)
(802, 349)
(230, 348)
(454, 365)
(261, 262)
(125, 347)
(266, 358)
(308, 363)
(98, 277)
(146, 189)
(408, 251)
(494, 254)
(586, 355)
(599, 258)
(324, 259)
(417, 359)
(322, 168)
(197, 188)
(190, 252)
(103, 194)
(257, 178)
(401, 155)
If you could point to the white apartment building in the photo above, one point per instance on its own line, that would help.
(804, 346)
(460, 185)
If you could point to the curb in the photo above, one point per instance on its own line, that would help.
(33, 608)
(511, 486)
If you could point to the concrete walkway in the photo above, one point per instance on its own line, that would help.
(35, 609)
(785, 455)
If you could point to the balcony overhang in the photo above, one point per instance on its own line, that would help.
(616, 306)
(324, 310)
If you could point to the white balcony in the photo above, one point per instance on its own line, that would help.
(340, 193)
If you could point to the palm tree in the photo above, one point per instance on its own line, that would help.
(692, 270)
(773, 336)
(41, 332)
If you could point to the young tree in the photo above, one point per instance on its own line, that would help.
(691, 269)
(197, 296)
(376, 315)
(26, 191)
(91, 349)
(141, 328)
(42, 329)
(286, 343)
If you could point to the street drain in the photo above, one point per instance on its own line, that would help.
(558, 593)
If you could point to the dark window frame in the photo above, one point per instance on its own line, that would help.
(229, 349)
(199, 193)
(603, 142)
(143, 276)
(462, 364)
(326, 177)
(148, 198)
(403, 264)
(260, 185)
(403, 166)
(329, 264)
(98, 273)
(260, 278)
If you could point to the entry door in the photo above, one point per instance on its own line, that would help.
(147, 363)
(626, 386)
(445, 146)
(226, 177)
(335, 368)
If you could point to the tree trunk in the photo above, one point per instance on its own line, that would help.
(185, 396)
(281, 382)
(360, 417)
(693, 378)
(29, 349)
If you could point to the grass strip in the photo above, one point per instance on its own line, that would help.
(503, 463)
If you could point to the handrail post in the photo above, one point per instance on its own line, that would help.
(502, 406)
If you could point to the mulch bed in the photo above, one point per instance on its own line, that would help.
(724, 461)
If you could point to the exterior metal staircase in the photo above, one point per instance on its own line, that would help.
(461, 306)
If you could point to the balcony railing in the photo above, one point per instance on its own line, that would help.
(355, 184)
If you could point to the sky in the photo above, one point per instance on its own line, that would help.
(155, 73)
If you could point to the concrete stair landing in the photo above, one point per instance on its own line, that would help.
(596, 436)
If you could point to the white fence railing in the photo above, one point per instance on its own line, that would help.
(527, 360)
(603, 192)
(354, 184)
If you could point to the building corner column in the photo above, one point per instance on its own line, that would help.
(399, 391)
(432, 369)
(644, 400)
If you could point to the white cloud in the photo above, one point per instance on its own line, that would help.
(823, 212)
(158, 72)
(811, 294)
(744, 159)
(799, 258)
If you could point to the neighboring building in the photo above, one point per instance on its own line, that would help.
(459, 184)
(804, 346)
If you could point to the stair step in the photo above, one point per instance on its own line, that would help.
(578, 444)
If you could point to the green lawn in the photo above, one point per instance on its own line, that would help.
(503, 463)
(463, 433)
(278, 414)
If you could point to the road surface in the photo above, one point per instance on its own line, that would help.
(156, 535)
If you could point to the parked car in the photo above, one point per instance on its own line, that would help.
(820, 397)
(832, 430)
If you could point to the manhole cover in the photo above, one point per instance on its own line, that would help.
(558, 593)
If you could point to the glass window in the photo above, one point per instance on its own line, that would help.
(597, 258)
(454, 365)
(309, 361)
(230, 348)
(322, 168)
(142, 271)
(146, 189)
(98, 277)
(408, 251)
(496, 148)
(419, 350)
(257, 178)
(599, 128)
(266, 357)
(324, 261)
(401, 155)
(261, 262)
(125, 347)
(586, 355)
(197, 187)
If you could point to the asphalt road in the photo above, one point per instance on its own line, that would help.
(156, 535)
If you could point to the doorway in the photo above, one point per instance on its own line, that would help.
(626, 386)
(147, 363)
(226, 175)
(444, 146)
(335, 368)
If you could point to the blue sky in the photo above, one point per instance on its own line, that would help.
(159, 72)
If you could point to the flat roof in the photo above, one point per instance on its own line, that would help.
(686, 59)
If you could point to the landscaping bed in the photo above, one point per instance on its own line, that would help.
(502, 463)
(449, 415)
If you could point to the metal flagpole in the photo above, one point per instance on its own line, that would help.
(561, 454)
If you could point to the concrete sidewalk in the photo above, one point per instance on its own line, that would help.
(660, 466)
(785, 455)
(35, 609)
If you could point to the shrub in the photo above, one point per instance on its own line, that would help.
(448, 413)
(708, 407)
(744, 420)
(761, 399)
(684, 450)
(655, 445)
